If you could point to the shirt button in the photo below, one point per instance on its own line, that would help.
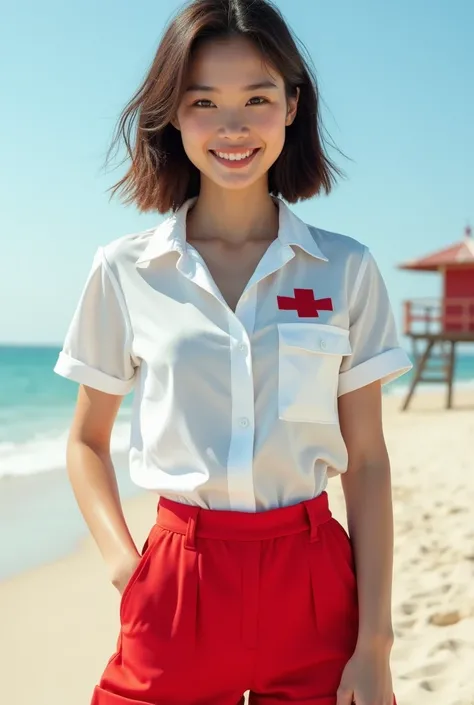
(244, 422)
(242, 347)
(323, 344)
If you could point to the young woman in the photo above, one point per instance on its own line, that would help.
(256, 346)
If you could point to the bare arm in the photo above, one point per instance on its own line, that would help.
(94, 482)
(367, 490)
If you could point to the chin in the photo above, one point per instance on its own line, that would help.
(235, 182)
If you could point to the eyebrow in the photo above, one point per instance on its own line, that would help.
(197, 87)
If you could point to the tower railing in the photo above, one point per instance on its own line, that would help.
(436, 316)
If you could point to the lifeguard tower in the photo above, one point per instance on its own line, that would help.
(443, 322)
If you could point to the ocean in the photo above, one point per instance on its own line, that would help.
(40, 521)
(36, 408)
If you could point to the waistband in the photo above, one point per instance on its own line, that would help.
(192, 521)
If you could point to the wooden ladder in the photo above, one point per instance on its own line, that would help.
(446, 356)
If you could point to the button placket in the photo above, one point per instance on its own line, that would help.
(241, 327)
(240, 459)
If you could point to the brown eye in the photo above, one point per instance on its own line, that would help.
(260, 99)
(200, 103)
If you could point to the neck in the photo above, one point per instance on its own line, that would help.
(234, 216)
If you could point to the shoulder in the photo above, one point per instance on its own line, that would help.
(339, 248)
(119, 257)
(347, 255)
(126, 249)
(349, 259)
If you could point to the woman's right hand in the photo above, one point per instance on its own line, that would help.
(122, 573)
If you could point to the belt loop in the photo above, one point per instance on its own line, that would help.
(190, 538)
(313, 525)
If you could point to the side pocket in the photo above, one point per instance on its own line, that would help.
(159, 607)
(346, 563)
(145, 555)
(334, 587)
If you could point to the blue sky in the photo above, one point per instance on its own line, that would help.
(397, 85)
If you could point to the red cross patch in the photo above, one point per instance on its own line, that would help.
(304, 303)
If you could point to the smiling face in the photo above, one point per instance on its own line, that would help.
(233, 113)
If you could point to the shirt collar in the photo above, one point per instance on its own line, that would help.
(170, 235)
(293, 231)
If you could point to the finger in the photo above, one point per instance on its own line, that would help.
(344, 696)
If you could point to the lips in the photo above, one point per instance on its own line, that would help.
(235, 158)
(234, 154)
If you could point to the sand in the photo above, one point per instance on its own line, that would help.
(59, 622)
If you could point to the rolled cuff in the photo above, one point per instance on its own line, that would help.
(385, 367)
(77, 371)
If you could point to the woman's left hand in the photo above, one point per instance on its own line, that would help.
(366, 679)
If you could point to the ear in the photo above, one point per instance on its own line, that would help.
(175, 123)
(292, 108)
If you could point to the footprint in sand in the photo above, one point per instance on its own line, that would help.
(429, 677)
(430, 669)
(445, 619)
(438, 590)
(458, 510)
(455, 646)
(428, 685)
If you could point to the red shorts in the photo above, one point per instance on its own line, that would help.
(225, 602)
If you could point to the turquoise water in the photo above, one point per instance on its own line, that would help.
(37, 505)
(36, 407)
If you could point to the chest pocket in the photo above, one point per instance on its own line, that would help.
(310, 356)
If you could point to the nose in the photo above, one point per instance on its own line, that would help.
(233, 128)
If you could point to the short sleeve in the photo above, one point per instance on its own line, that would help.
(376, 352)
(97, 350)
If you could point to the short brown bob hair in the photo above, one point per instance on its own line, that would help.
(161, 176)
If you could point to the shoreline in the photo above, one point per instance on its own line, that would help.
(61, 618)
(40, 517)
(29, 452)
(45, 500)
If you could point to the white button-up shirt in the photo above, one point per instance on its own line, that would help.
(234, 410)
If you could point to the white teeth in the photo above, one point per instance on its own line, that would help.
(235, 157)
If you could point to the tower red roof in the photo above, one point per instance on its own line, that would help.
(459, 254)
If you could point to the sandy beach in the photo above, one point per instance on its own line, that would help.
(59, 622)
